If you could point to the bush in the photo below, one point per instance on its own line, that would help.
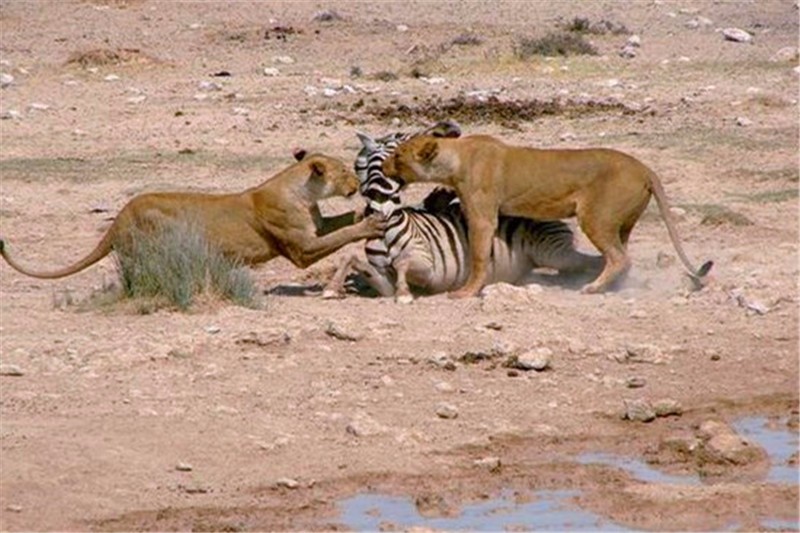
(554, 44)
(176, 263)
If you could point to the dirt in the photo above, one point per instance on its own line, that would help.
(112, 419)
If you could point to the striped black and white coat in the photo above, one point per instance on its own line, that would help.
(424, 249)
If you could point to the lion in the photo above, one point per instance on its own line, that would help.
(280, 217)
(605, 189)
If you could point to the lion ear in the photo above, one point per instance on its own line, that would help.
(317, 171)
(428, 151)
(446, 129)
(299, 154)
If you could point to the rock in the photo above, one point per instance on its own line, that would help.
(731, 448)
(363, 425)
(743, 121)
(635, 382)
(443, 386)
(503, 348)
(183, 467)
(194, 488)
(38, 106)
(269, 337)
(207, 85)
(712, 428)
(537, 359)
(637, 313)
(14, 508)
(136, 99)
(287, 482)
(6, 80)
(442, 360)
(492, 464)
(271, 71)
(11, 114)
(337, 332)
(638, 411)
(212, 329)
(786, 54)
(736, 35)
(111, 77)
(327, 15)
(446, 411)
(242, 111)
(634, 40)
(642, 353)
(10, 370)
(401, 28)
(667, 407)
(284, 60)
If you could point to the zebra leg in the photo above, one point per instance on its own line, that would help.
(335, 287)
(403, 294)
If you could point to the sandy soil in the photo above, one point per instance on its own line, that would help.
(171, 420)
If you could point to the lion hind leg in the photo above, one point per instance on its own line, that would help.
(616, 260)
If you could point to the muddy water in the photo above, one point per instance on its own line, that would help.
(552, 509)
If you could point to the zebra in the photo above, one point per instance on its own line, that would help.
(426, 247)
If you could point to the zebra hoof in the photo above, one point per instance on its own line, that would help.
(329, 294)
(405, 299)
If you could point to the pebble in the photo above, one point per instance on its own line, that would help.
(743, 121)
(38, 106)
(212, 329)
(736, 35)
(287, 482)
(637, 313)
(136, 99)
(443, 386)
(401, 28)
(14, 508)
(639, 411)
(271, 71)
(183, 467)
(207, 85)
(446, 411)
(194, 489)
(492, 464)
(537, 359)
(284, 60)
(11, 114)
(667, 407)
(363, 425)
(243, 111)
(634, 40)
(327, 15)
(10, 370)
(635, 382)
(111, 77)
(6, 80)
(337, 332)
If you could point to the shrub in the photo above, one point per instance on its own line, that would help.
(176, 263)
(554, 44)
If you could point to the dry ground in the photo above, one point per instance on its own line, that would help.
(109, 103)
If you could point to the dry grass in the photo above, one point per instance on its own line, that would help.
(554, 44)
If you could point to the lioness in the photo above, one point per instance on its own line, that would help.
(278, 217)
(607, 190)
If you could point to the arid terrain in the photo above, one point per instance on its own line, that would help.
(231, 418)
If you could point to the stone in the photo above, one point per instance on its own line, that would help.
(111, 77)
(206, 85)
(443, 386)
(634, 41)
(38, 106)
(537, 359)
(667, 407)
(284, 60)
(736, 35)
(183, 467)
(638, 411)
(212, 330)
(10, 370)
(287, 482)
(363, 425)
(6, 80)
(337, 332)
(271, 71)
(635, 382)
(11, 114)
(712, 428)
(326, 15)
(401, 28)
(446, 411)
(731, 448)
(743, 121)
(14, 508)
(492, 464)
(786, 54)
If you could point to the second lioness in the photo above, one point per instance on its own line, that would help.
(607, 190)
(280, 217)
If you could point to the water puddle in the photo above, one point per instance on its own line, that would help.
(637, 468)
(550, 510)
(779, 442)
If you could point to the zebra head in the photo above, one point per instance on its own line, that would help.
(381, 192)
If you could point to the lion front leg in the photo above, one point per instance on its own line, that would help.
(481, 233)
(306, 249)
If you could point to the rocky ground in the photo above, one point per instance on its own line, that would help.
(232, 418)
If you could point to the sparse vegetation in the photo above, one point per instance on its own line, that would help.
(554, 44)
(767, 197)
(176, 264)
(603, 26)
(467, 39)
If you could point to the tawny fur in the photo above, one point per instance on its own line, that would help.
(605, 189)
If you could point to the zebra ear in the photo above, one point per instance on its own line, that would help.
(428, 151)
(445, 128)
(367, 141)
(299, 154)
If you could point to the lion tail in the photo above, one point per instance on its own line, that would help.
(103, 248)
(697, 274)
